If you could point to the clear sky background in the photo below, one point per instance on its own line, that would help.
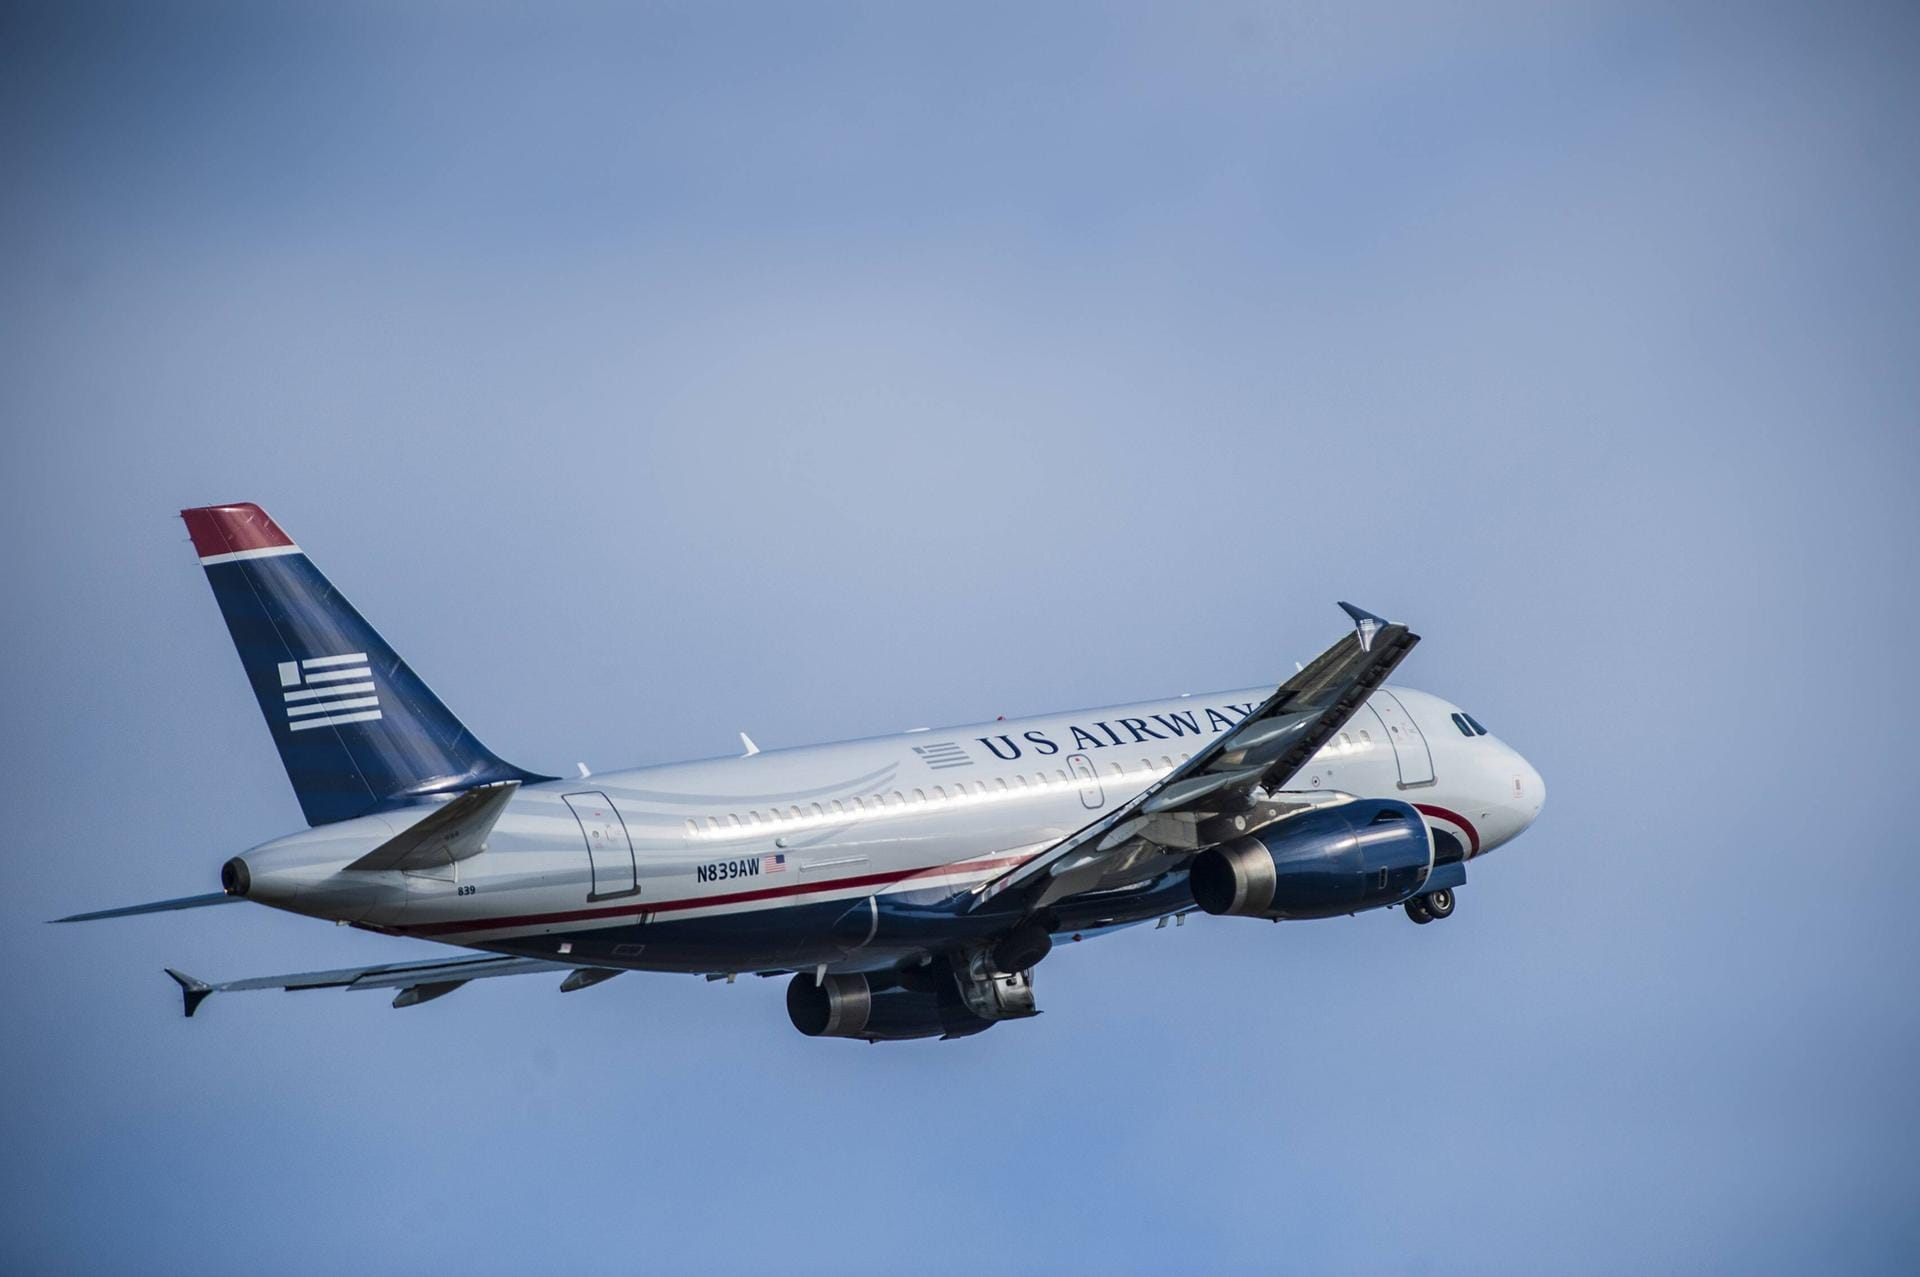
(652, 373)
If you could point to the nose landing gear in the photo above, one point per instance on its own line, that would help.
(1435, 904)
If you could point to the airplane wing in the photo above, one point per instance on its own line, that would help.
(417, 981)
(1239, 775)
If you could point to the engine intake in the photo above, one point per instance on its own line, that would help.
(1319, 864)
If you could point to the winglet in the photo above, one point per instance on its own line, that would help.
(193, 992)
(1365, 624)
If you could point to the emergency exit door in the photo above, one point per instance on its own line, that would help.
(1092, 796)
(608, 847)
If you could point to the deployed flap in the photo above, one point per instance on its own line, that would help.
(396, 975)
(1155, 832)
(454, 832)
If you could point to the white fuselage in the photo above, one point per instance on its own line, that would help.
(771, 859)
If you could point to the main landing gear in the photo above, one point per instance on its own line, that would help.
(1435, 904)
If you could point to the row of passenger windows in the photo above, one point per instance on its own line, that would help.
(838, 809)
(1468, 725)
(1010, 786)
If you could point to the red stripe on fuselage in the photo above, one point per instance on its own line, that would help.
(1453, 818)
(704, 902)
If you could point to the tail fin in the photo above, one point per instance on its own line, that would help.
(357, 730)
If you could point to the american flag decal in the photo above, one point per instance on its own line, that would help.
(945, 754)
(773, 864)
(327, 690)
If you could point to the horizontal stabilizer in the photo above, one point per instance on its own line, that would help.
(454, 832)
(157, 906)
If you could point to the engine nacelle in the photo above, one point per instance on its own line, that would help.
(1318, 864)
(851, 1006)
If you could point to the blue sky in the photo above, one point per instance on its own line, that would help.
(652, 373)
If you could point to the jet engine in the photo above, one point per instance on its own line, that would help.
(1319, 864)
(926, 1002)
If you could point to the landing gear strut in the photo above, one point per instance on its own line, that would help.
(1435, 904)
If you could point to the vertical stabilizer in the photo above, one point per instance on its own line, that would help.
(356, 728)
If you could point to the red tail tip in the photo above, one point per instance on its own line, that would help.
(228, 529)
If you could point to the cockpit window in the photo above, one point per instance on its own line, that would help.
(1468, 725)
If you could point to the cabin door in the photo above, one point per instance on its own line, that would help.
(1409, 746)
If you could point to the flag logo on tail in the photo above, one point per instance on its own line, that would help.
(327, 690)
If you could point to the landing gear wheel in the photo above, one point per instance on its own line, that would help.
(1417, 910)
(1439, 904)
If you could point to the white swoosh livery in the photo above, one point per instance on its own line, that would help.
(906, 885)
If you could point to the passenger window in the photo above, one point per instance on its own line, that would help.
(919, 796)
(816, 809)
(1000, 783)
(1365, 738)
(693, 829)
(1062, 776)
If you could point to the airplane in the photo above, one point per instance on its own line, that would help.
(908, 885)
